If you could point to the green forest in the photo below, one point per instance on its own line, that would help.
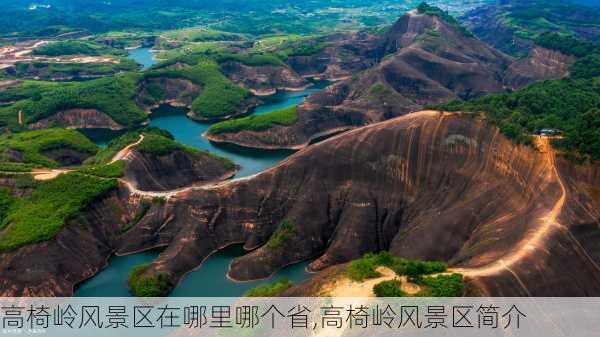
(569, 105)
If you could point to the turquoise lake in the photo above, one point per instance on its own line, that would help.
(143, 56)
(209, 279)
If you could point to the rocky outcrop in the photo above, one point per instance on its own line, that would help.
(263, 80)
(155, 91)
(180, 168)
(77, 119)
(424, 60)
(428, 185)
(342, 55)
(541, 64)
(503, 24)
(66, 156)
(423, 186)
(79, 251)
(484, 22)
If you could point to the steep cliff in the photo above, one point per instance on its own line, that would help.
(540, 64)
(263, 79)
(154, 91)
(423, 186)
(428, 185)
(77, 119)
(423, 60)
(176, 169)
(341, 56)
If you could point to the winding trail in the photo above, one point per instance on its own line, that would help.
(125, 151)
(537, 238)
(48, 174)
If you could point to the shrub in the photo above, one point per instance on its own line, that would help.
(269, 290)
(441, 285)
(362, 269)
(287, 116)
(32, 145)
(6, 201)
(283, 233)
(249, 59)
(566, 44)
(111, 95)
(114, 170)
(75, 47)
(557, 104)
(43, 214)
(414, 268)
(586, 67)
(424, 8)
(143, 208)
(114, 146)
(389, 288)
(142, 285)
(158, 145)
(220, 97)
(50, 70)
(366, 267)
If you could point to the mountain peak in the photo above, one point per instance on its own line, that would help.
(419, 21)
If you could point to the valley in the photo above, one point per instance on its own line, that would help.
(372, 149)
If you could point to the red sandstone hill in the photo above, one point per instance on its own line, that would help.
(514, 220)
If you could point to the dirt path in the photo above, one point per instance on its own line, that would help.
(346, 287)
(537, 238)
(43, 174)
(125, 151)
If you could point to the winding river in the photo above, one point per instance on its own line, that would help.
(209, 279)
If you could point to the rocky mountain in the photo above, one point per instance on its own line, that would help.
(263, 80)
(423, 59)
(428, 185)
(341, 56)
(540, 64)
(511, 25)
(175, 169)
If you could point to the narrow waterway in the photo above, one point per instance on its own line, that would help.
(210, 279)
(143, 56)
(189, 132)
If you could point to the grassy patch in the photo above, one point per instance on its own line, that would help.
(283, 233)
(114, 170)
(27, 89)
(249, 59)
(158, 145)
(366, 267)
(16, 167)
(440, 285)
(114, 146)
(287, 116)
(269, 290)
(586, 67)
(143, 208)
(111, 95)
(31, 145)
(76, 47)
(568, 105)
(148, 286)
(43, 214)
(220, 97)
(389, 288)
(48, 71)
(362, 269)
(567, 44)
(202, 35)
(6, 202)
(424, 8)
